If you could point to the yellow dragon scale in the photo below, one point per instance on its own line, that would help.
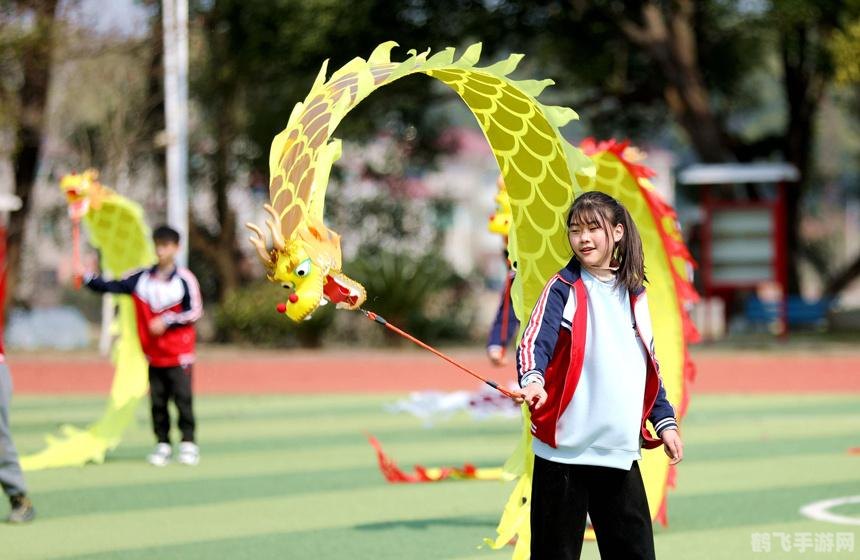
(542, 173)
(116, 227)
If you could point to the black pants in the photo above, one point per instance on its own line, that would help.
(563, 494)
(166, 384)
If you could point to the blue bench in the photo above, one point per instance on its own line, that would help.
(800, 311)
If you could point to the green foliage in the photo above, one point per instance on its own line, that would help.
(257, 58)
(420, 294)
(743, 79)
(26, 40)
(845, 46)
(207, 275)
(248, 316)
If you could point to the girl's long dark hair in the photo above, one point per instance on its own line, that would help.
(597, 207)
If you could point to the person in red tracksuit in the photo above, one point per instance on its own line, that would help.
(167, 302)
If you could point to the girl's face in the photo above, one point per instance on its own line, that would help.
(591, 242)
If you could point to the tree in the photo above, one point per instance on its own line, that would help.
(802, 29)
(624, 64)
(254, 59)
(109, 126)
(846, 52)
(27, 33)
(692, 60)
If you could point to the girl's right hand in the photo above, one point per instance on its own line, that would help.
(534, 395)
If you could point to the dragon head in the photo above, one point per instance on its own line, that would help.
(301, 277)
(500, 222)
(81, 190)
(307, 267)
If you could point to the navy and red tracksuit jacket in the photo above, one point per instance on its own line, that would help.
(175, 299)
(506, 324)
(553, 348)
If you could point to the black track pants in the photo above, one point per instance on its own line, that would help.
(563, 494)
(171, 383)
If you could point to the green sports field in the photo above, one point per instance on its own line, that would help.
(293, 477)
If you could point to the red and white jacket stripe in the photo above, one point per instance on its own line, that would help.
(175, 299)
(552, 348)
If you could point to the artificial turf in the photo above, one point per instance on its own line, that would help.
(293, 477)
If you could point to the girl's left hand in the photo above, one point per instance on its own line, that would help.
(673, 446)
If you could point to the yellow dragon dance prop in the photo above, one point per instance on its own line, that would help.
(116, 227)
(523, 134)
(542, 173)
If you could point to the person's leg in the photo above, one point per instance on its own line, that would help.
(189, 453)
(11, 477)
(182, 396)
(558, 510)
(619, 513)
(159, 392)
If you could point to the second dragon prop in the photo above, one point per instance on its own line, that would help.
(118, 230)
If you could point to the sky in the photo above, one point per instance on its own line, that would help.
(109, 16)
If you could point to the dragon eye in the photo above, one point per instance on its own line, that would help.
(304, 268)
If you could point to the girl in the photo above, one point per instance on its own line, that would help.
(587, 369)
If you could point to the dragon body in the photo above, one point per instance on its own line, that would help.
(117, 229)
(305, 258)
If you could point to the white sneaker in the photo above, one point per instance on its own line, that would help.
(189, 453)
(160, 456)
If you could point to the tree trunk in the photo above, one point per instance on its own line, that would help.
(804, 86)
(32, 98)
(220, 248)
(210, 247)
(842, 279)
(670, 39)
